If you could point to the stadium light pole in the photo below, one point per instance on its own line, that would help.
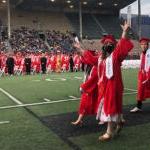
(129, 16)
(80, 19)
(139, 19)
(8, 19)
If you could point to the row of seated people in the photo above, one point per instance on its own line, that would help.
(65, 40)
(30, 63)
(29, 39)
(23, 39)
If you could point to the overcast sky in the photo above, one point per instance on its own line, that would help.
(145, 7)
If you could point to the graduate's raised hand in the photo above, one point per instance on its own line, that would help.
(125, 26)
(77, 45)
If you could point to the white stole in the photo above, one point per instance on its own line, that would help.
(109, 66)
(99, 62)
(147, 60)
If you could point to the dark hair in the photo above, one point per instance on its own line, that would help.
(88, 69)
(74, 34)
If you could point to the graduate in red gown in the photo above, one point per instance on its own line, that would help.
(38, 63)
(143, 75)
(18, 61)
(77, 62)
(48, 65)
(58, 61)
(110, 85)
(89, 94)
(3, 64)
(53, 62)
(65, 63)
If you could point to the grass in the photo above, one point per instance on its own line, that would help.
(132, 138)
(25, 131)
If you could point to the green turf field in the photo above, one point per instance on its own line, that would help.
(26, 99)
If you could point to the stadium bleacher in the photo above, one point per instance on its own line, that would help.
(91, 30)
(39, 20)
(44, 22)
(111, 24)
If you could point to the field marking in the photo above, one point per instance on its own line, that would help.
(55, 79)
(36, 80)
(50, 102)
(59, 79)
(11, 97)
(130, 89)
(4, 122)
(36, 104)
(72, 97)
(47, 100)
(79, 78)
(20, 104)
(63, 79)
(130, 93)
(50, 80)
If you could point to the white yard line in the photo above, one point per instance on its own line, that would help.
(79, 78)
(36, 104)
(11, 97)
(55, 79)
(36, 80)
(130, 93)
(130, 89)
(47, 100)
(58, 79)
(20, 104)
(73, 97)
(63, 79)
(50, 80)
(4, 122)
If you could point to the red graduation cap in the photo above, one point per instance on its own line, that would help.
(144, 40)
(108, 38)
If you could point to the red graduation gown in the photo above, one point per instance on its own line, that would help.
(143, 89)
(88, 103)
(111, 89)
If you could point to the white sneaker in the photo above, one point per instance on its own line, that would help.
(135, 109)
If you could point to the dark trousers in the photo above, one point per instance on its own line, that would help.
(71, 68)
(43, 69)
(28, 70)
(10, 70)
(82, 67)
(139, 104)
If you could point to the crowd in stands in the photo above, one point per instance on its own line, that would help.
(58, 38)
(24, 39)
(30, 45)
(3, 45)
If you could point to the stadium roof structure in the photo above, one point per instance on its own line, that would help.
(114, 5)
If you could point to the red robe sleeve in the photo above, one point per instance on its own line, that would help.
(148, 74)
(123, 47)
(89, 59)
(89, 85)
(0, 63)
